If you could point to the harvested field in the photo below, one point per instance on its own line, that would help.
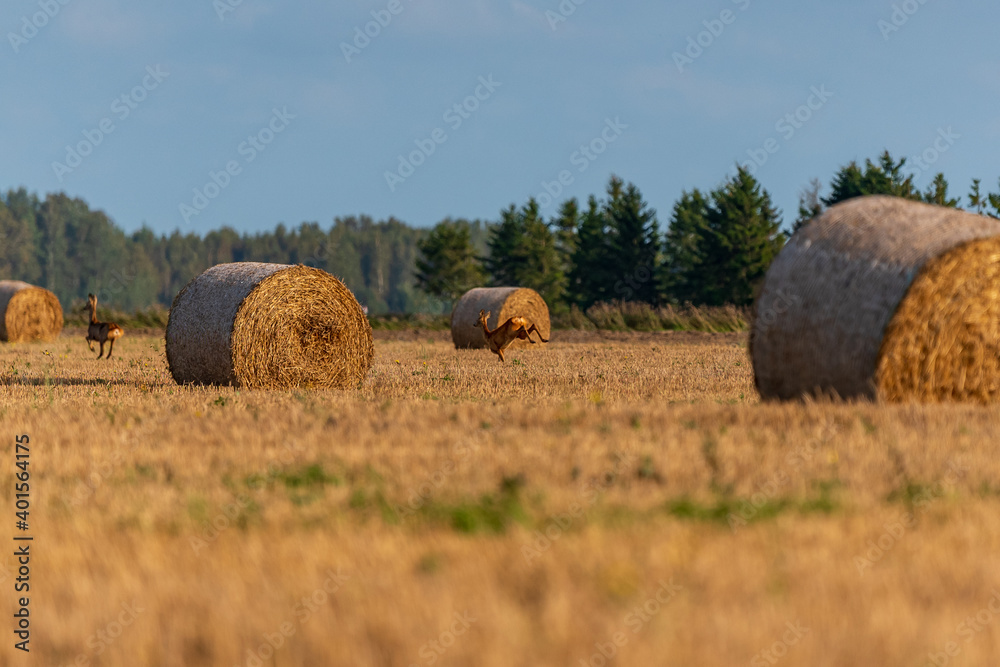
(616, 492)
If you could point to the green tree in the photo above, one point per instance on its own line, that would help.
(634, 243)
(681, 258)
(993, 201)
(523, 253)
(810, 204)
(937, 193)
(740, 238)
(884, 178)
(565, 226)
(447, 266)
(976, 199)
(590, 278)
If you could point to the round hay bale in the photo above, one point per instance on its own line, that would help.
(28, 313)
(268, 326)
(882, 297)
(502, 303)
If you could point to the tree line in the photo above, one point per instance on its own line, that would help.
(61, 244)
(714, 249)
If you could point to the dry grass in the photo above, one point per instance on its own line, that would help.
(429, 492)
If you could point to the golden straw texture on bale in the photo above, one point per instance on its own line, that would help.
(271, 326)
(28, 313)
(944, 341)
(503, 303)
(835, 315)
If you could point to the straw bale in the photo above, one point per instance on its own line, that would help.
(502, 303)
(28, 313)
(882, 297)
(255, 325)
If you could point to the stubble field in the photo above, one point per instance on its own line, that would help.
(617, 499)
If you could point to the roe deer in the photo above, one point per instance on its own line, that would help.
(500, 338)
(101, 331)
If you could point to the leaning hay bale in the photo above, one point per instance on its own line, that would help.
(503, 303)
(881, 297)
(28, 313)
(270, 326)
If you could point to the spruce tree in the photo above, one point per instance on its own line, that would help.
(740, 238)
(590, 280)
(810, 204)
(634, 243)
(565, 226)
(447, 266)
(976, 199)
(523, 253)
(937, 193)
(884, 178)
(681, 260)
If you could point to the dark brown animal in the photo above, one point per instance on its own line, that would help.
(101, 332)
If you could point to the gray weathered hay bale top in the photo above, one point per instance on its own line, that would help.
(28, 313)
(824, 319)
(249, 324)
(503, 303)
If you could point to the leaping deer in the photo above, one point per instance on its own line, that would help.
(515, 328)
(101, 331)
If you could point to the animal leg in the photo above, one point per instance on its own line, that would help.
(500, 352)
(111, 347)
(535, 329)
(102, 350)
(90, 343)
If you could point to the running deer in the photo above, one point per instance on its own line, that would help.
(499, 339)
(101, 331)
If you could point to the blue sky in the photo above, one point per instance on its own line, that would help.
(308, 129)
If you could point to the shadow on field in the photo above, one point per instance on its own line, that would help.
(69, 382)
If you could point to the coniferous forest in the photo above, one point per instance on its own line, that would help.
(712, 248)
